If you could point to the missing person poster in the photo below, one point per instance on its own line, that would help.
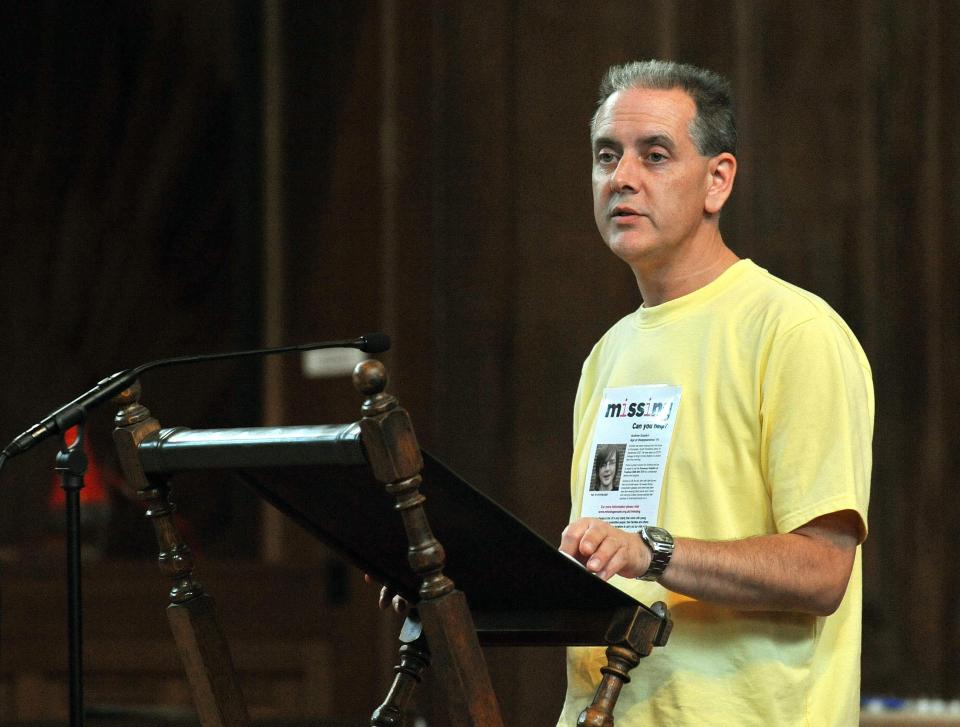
(628, 456)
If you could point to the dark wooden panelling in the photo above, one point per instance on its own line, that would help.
(120, 184)
(915, 361)
(334, 281)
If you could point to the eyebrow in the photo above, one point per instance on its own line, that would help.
(604, 141)
(647, 141)
(658, 140)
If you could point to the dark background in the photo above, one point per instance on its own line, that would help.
(181, 177)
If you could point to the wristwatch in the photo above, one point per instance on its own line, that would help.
(660, 543)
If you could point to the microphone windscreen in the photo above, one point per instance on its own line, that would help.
(375, 342)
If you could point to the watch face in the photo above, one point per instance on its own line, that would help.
(659, 535)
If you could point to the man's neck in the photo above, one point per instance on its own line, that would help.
(666, 279)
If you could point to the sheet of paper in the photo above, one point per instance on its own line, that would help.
(628, 455)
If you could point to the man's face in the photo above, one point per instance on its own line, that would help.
(649, 181)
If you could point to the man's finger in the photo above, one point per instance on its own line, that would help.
(618, 562)
(596, 533)
(573, 537)
(570, 537)
(604, 551)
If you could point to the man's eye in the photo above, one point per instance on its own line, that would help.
(656, 157)
(606, 157)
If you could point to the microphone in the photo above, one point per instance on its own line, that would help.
(76, 411)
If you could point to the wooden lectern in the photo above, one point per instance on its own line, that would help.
(445, 553)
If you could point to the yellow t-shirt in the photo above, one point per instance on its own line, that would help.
(774, 429)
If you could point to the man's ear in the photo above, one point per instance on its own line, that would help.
(722, 170)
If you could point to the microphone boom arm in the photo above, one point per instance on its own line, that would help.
(76, 411)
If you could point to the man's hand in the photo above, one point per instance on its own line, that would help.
(604, 549)
(389, 599)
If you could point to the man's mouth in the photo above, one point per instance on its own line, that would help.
(624, 213)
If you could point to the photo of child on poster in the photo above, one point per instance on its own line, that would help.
(607, 467)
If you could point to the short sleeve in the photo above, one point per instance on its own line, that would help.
(817, 424)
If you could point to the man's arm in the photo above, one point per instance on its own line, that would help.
(805, 570)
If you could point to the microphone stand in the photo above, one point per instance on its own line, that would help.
(72, 465)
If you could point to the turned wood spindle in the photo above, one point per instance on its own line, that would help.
(394, 456)
(620, 660)
(134, 424)
(631, 636)
(414, 659)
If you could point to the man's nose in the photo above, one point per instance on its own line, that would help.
(627, 174)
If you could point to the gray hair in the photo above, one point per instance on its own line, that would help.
(713, 129)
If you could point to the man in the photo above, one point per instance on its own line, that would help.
(766, 482)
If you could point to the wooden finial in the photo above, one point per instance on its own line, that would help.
(129, 395)
(131, 411)
(370, 379)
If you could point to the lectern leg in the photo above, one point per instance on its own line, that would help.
(620, 660)
(207, 663)
(193, 620)
(456, 651)
(414, 659)
(631, 636)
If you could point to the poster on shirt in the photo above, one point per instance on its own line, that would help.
(628, 454)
